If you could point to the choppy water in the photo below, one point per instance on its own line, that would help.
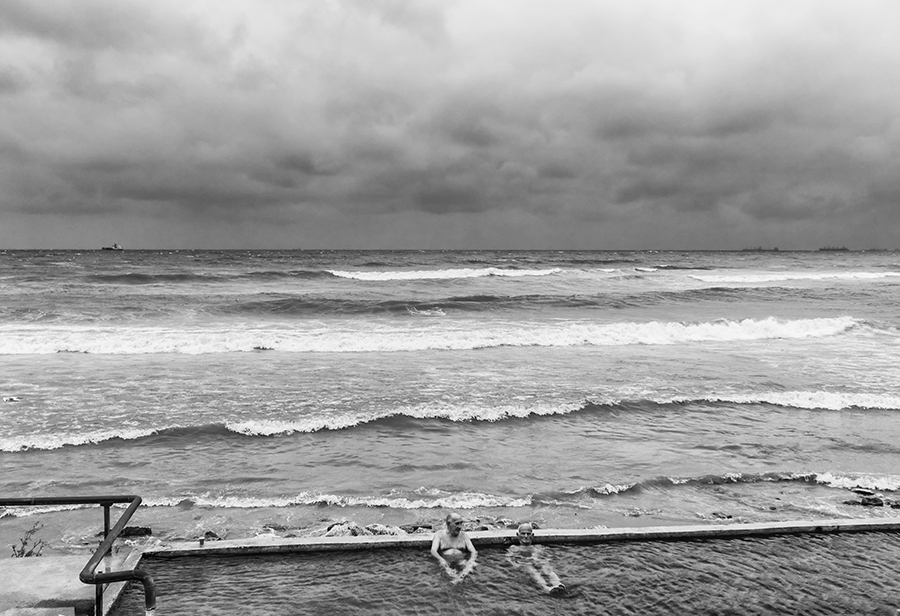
(235, 390)
(797, 575)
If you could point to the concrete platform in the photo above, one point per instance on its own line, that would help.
(272, 544)
(49, 586)
(51, 582)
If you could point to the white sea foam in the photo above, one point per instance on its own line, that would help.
(613, 489)
(25, 512)
(443, 274)
(56, 440)
(832, 401)
(786, 276)
(427, 334)
(437, 410)
(882, 483)
(430, 312)
(267, 427)
(811, 400)
(437, 500)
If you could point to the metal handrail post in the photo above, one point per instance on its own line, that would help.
(98, 588)
(88, 575)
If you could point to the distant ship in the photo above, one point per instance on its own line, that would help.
(833, 248)
(113, 247)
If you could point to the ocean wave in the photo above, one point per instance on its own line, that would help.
(443, 274)
(363, 337)
(881, 483)
(788, 276)
(813, 400)
(435, 498)
(877, 483)
(142, 278)
(58, 440)
(25, 512)
(424, 498)
(170, 278)
(607, 490)
(334, 306)
(307, 305)
(669, 266)
(139, 310)
(399, 418)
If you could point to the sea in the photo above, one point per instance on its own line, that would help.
(245, 393)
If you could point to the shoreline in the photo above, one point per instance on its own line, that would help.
(272, 544)
(77, 531)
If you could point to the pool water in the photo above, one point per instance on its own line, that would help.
(854, 573)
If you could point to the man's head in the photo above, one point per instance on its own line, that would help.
(525, 533)
(454, 523)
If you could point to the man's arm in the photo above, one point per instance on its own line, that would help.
(470, 547)
(435, 545)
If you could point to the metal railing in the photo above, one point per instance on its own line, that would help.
(88, 575)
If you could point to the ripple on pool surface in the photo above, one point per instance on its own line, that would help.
(842, 574)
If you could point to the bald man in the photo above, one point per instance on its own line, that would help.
(533, 560)
(453, 549)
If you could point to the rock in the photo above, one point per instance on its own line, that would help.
(382, 529)
(136, 531)
(211, 536)
(872, 501)
(345, 528)
(276, 527)
(721, 516)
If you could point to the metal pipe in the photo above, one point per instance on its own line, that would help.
(88, 575)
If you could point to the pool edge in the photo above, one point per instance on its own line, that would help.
(267, 544)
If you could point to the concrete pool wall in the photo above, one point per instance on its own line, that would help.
(62, 577)
(273, 544)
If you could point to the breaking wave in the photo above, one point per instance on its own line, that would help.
(435, 498)
(787, 276)
(400, 419)
(385, 336)
(444, 274)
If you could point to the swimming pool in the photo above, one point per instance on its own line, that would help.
(854, 573)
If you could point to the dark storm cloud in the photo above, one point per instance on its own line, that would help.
(97, 24)
(765, 117)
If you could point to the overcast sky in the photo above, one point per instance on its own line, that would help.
(449, 123)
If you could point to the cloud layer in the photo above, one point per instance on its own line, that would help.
(449, 123)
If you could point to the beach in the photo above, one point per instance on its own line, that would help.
(281, 392)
